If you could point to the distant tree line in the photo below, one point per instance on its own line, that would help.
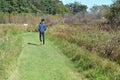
(111, 13)
(114, 14)
(33, 6)
(77, 7)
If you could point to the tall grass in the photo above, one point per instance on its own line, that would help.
(81, 45)
(10, 48)
(28, 18)
(22, 18)
(105, 44)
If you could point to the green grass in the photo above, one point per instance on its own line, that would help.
(105, 44)
(87, 62)
(43, 62)
(47, 62)
(10, 48)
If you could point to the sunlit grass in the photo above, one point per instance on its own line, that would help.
(92, 39)
(10, 48)
(86, 49)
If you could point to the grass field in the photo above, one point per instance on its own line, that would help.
(22, 57)
(10, 49)
(86, 50)
(43, 62)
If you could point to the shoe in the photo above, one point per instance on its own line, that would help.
(41, 42)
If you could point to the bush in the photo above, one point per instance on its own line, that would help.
(112, 50)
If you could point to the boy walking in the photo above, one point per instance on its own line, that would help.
(42, 29)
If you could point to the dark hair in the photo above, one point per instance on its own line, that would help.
(42, 20)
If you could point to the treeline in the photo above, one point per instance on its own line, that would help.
(114, 14)
(105, 14)
(33, 6)
(76, 12)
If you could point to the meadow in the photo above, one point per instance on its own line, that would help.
(94, 52)
(90, 40)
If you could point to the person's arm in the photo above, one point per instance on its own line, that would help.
(45, 27)
(39, 27)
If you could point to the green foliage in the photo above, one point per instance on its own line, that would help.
(52, 7)
(30, 6)
(77, 7)
(114, 15)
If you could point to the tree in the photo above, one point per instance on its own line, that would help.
(77, 7)
(99, 12)
(33, 6)
(114, 15)
(52, 6)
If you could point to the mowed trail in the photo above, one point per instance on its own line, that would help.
(42, 62)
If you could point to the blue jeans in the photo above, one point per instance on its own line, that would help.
(42, 37)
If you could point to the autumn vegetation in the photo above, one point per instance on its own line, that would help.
(89, 38)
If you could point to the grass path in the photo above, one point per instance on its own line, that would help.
(42, 62)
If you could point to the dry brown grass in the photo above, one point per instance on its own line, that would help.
(91, 38)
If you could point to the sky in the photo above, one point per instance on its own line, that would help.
(89, 3)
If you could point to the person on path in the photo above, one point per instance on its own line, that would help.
(42, 29)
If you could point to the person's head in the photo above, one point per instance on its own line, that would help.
(42, 20)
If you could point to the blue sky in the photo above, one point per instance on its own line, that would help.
(89, 3)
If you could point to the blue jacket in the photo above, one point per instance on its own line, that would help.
(42, 27)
